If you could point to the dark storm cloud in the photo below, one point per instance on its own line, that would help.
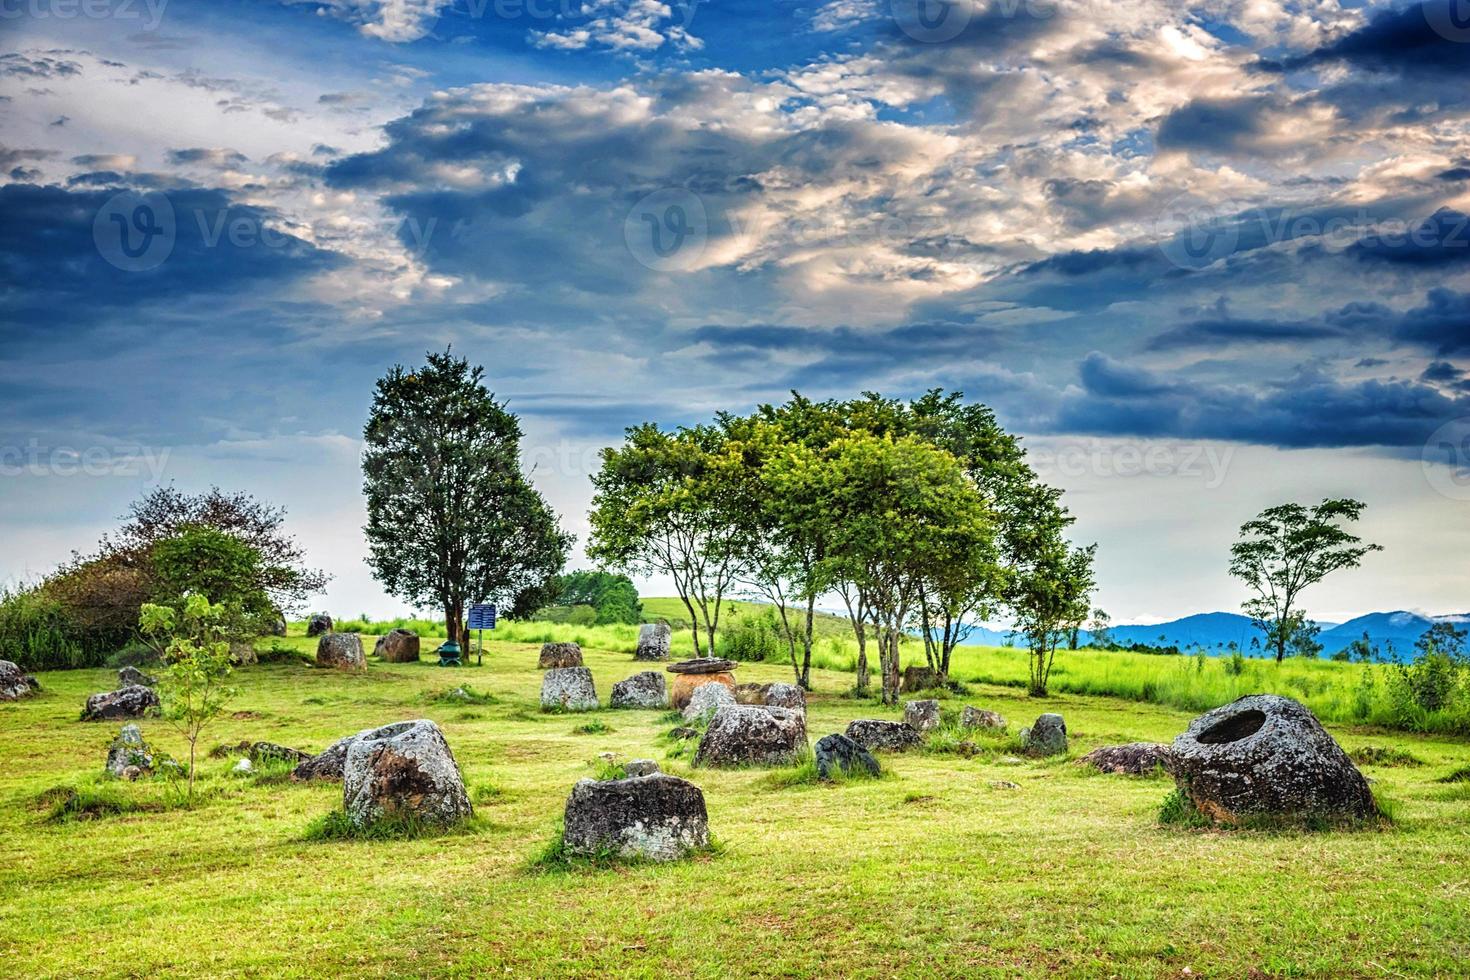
(1418, 39)
(1216, 125)
(1223, 332)
(1442, 239)
(1442, 324)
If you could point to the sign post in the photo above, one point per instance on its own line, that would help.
(482, 618)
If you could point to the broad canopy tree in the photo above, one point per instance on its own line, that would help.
(452, 520)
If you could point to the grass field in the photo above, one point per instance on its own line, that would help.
(931, 871)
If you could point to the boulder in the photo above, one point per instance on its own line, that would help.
(686, 684)
(1048, 736)
(919, 679)
(133, 701)
(684, 733)
(644, 690)
(1267, 756)
(702, 665)
(130, 675)
(399, 646)
(259, 752)
(328, 763)
(341, 650)
(14, 684)
(568, 689)
(706, 701)
(840, 752)
(318, 624)
(243, 768)
(128, 756)
(980, 718)
(243, 654)
(653, 642)
(888, 736)
(403, 770)
(657, 817)
(751, 693)
(278, 624)
(640, 767)
(741, 735)
(785, 696)
(921, 716)
(560, 655)
(1133, 759)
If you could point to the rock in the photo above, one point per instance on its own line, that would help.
(14, 684)
(1004, 784)
(130, 675)
(1048, 736)
(644, 690)
(751, 693)
(785, 696)
(741, 734)
(686, 684)
(888, 736)
(919, 679)
(243, 654)
(684, 733)
(278, 624)
(703, 665)
(840, 752)
(1267, 756)
(328, 764)
(641, 767)
(657, 817)
(399, 646)
(403, 770)
(653, 642)
(921, 716)
(342, 651)
(980, 718)
(244, 767)
(133, 701)
(568, 689)
(706, 701)
(560, 655)
(1133, 759)
(318, 624)
(127, 751)
(259, 752)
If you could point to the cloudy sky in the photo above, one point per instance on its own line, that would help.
(1206, 258)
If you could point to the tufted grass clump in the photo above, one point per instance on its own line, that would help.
(1460, 775)
(1378, 755)
(804, 773)
(462, 694)
(594, 727)
(336, 825)
(554, 857)
(1178, 811)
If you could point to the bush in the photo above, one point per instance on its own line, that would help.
(754, 638)
(37, 634)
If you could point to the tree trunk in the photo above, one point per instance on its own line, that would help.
(805, 680)
(888, 659)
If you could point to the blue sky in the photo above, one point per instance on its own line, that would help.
(1205, 258)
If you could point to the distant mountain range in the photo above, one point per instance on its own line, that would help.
(1214, 632)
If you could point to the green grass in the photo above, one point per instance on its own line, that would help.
(929, 871)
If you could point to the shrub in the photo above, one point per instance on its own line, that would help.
(754, 638)
(37, 634)
(336, 825)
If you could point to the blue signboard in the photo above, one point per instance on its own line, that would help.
(482, 616)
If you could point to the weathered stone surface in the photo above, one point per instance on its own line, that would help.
(1267, 756)
(128, 676)
(702, 665)
(653, 642)
(244, 767)
(318, 624)
(741, 734)
(840, 752)
(341, 650)
(918, 678)
(921, 716)
(751, 693)
(686, 684)
(399, 646)
(1133, 759)
(981, 718)
(1048, 736)
(785, 696)
(278, 624)
(328, 763)
(641, 767)
(888, 736)
(658, 817)
(14, 684)
(568, 689)
(684, 733)
(560, 655)
(706, 700)
(271, 752)
(645, 690)
(406, 770)
(1004, 784)
(134, 701)
(243, 654)
(129, 752)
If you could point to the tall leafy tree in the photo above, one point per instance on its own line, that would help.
(1287, 548)
(452, 520)
(1049, 582)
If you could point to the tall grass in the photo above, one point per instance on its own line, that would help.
(36, 634)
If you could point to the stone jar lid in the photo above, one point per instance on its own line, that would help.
(702, 665)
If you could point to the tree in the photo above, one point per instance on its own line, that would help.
(1441, 638)
(614, 597)
(196, 658)
(1287, 548)
(225, 570)
(451, 518)
(662, 506)
(1101, 630)
(1051, 583)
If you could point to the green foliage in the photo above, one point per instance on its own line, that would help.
(606, 770)
(610, 598)
(451, 518)
(594, 727)
(201, 560)
(1178, 811)
(337, 826)
(37, 634)
(1380, 755)
(754, 638)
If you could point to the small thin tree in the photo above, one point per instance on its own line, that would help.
(1287, 548)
